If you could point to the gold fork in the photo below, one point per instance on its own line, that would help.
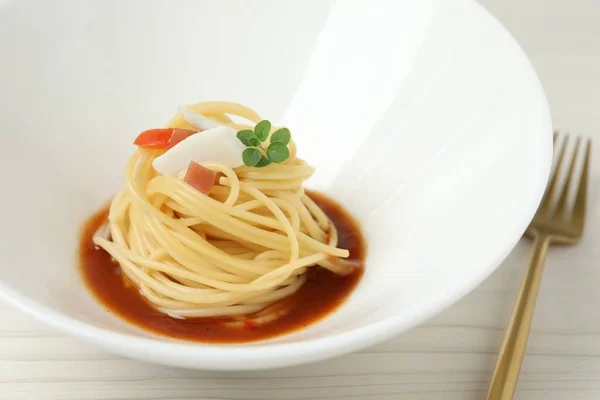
(560, 224)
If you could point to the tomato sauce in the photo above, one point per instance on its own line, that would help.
(320, 295)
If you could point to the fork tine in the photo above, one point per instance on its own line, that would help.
(561, 207)
(546, 204)
(577, 218)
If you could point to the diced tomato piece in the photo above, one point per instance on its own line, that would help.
(200, 178)
(162, 138)
(179, 135)
(154, 138)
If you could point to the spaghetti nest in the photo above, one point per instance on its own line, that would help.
(235, 251)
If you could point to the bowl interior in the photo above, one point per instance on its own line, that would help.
(427, 123)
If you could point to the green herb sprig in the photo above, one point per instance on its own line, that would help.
(256, 155)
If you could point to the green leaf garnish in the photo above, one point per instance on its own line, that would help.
(248, 138)
(256, 155)
(251, 156)
(264, 161)
(262, 130)
(282, 136)
(278, 152)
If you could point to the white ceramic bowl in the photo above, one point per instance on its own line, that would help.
(423, 117)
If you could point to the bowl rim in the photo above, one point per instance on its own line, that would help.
(267, 355)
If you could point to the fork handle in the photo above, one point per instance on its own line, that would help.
(508, 364)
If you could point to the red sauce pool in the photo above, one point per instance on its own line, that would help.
(322, 293)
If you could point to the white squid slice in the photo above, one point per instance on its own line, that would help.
(218, 145)
(197, 119)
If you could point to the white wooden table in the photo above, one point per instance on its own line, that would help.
(451, 356)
